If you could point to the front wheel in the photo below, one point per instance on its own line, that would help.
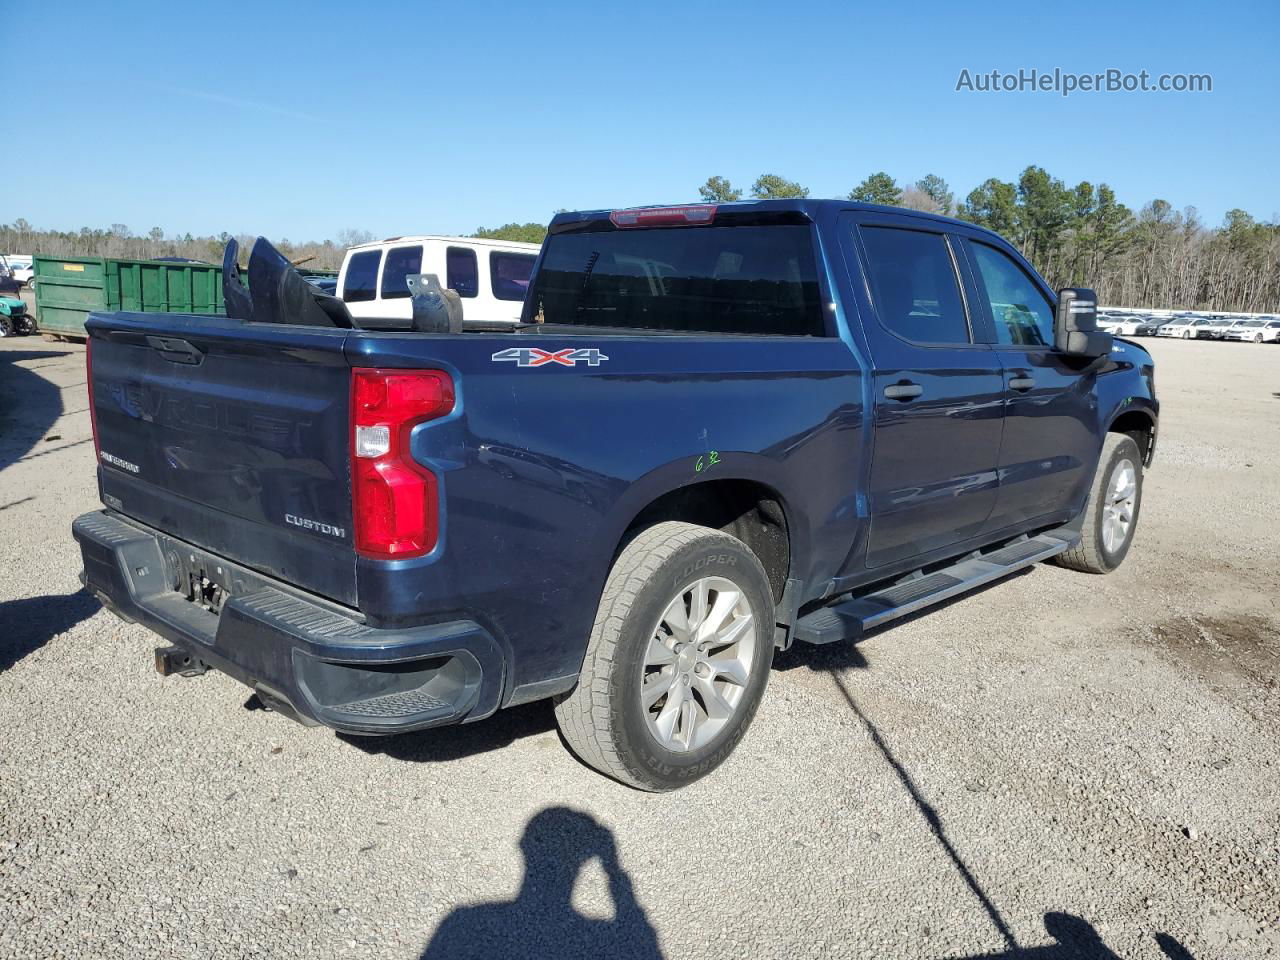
(678, 659)
(1186, 334)
(6, 326)
(1257, 338)
(1111, 515)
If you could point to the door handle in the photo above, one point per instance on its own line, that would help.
(903, 391)
(1021, 383)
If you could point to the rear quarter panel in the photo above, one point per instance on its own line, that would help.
(543, 468)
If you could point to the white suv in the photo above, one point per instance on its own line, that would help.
(491, 277)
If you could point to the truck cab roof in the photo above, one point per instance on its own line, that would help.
(806, 208)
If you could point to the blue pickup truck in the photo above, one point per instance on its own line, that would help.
(719, 430)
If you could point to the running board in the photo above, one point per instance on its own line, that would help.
(849, 618)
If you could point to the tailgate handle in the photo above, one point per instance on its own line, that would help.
(175, 350)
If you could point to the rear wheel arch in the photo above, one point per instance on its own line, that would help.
(752, 511)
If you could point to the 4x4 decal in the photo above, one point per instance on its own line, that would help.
(534, 357)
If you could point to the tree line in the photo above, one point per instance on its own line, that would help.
(118, 241)
(1078, 235)
(1083, 236)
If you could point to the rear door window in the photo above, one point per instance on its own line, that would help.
(708, 279)
(509, 274)
(914, 283)
(402, 262)
(361, 282)
(462, 273)
(1022, 314)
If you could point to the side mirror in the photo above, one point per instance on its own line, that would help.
(1075, 326)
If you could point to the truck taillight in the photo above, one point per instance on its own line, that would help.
(394, 499)
(93, 414)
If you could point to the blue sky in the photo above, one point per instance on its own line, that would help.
(299, 120)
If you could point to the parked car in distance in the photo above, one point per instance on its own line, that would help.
(1136, 327)
(22, 268)
(1257, 331)
(1217, 329)
(1179, 327)
(718, 430)
(490, 276)
(1195, 328)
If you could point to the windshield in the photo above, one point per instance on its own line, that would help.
(741, 279)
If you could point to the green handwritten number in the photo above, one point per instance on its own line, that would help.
(715, 458)
(710, 460)
(697, 467)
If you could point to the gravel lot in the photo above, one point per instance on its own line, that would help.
(1059, 766)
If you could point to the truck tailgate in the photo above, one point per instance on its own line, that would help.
(231, 436)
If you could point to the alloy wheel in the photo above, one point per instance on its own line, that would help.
(698, 663)
(1118, 509)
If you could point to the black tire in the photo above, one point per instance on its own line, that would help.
(602, 718)
(6, 326)
(1091, 554)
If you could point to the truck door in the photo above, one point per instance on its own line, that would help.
(1051, 439)
(938, 393)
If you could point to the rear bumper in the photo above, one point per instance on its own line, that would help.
(323, 665)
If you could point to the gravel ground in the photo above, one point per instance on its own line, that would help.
(1059, 766)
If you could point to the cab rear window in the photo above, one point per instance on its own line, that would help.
(735, 280)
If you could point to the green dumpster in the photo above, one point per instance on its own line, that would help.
(68, 288)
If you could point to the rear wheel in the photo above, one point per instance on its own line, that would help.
(678, 659)
(1111, 515)
(6, 326)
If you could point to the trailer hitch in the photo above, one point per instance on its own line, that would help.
(171, 660)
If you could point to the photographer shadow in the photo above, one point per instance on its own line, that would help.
(541, 921)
